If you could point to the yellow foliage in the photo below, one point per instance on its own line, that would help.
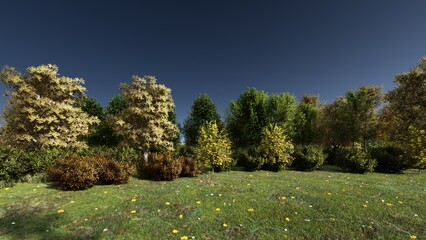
(416, 146)
(214, 147)
(275, 148)
(39, 102)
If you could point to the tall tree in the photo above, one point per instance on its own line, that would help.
(407, 102)
(41, 111)
(306, 124)
(281, 110)
(246, 117)
(352, 118)
(145, 123)
(116, 105)
(203, 110)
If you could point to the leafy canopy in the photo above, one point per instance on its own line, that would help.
(42, 110)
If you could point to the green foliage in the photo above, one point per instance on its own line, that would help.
(306, 124)
(15, 163)
(407, 102)
(160, 167)
(42, 109)
(246, 117)
(203, 110)
(416, 147)
(190, 167)
(275, 148)
(253, 111)
(214, 148)
(117, 104)
(249, 159)
(145, 123)
(73, 173)
(281, 110)
(352, 118)
(356, 160)
(308, 158)
(390, 158)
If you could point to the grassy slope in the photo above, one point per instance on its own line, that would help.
(318, 205)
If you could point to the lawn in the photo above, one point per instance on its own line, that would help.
(229, 205)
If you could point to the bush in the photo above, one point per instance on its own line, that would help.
(160, 167)
(249, 159)
(390, 159)
(110, 171)
(190, 167)
(275, 148)
(333, 154)
(308, 158)
(13, 165)
(73, 173)
(355, 160)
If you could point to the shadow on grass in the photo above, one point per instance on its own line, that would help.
(19, 221)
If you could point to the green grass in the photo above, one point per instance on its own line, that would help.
(318, 205)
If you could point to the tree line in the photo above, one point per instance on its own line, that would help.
(46, 110)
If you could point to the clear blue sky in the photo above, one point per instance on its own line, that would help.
(217, 47)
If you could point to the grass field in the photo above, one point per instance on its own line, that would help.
(230, 205)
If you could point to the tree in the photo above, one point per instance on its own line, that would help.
(145, 123)
(214, 147)
(41, 111)
(281, 110)
(353, 118)
(246, 117)
(275, 148)
(407, 102)
(102, 134)
(203, 110)
(306, 124)
(416, 147)
(116, 105)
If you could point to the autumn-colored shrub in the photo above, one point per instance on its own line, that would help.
(190, 167)
(110, 171)
(73, 173)
(308, 158)
(160, 167)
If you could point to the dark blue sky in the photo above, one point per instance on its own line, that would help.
(218, 47)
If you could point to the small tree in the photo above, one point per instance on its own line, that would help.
(275, 148)
(145, 123)
(214, 147)
(41, 110)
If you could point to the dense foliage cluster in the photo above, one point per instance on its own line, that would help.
(49, 123)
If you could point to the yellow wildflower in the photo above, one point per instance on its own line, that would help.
(225, 225)
(133, 211)
(250, 210)
(198, 202)
(175, 231)
(287, 219)
(283, 198)
(329, 193)
(133, 199)
(413, 237)
(184, 238)
(400, 202)
(61, 211)
(389, 204)
(365, 205)
(217, 209)
(167, 203)
(106, 192)
(180, 216)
